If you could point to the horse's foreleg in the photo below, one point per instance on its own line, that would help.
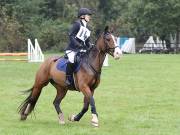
(88, 99)
(87, 94)
(60, 95)
(83, 111)
(94, 120)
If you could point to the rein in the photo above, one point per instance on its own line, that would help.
(97, 73)
(107, 49)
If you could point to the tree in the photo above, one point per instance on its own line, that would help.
(155, 17)
(49, 20)
(11, 38)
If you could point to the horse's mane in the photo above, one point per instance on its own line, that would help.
(89, 52)
(98, 36)
(93, 49)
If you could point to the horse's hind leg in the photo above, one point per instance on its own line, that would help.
(60, 95)
(28, 105)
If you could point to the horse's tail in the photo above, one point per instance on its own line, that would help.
(25, 103)
(27, 106)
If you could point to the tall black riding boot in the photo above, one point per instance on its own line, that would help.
(69, 72)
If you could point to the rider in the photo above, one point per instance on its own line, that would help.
(79, 38)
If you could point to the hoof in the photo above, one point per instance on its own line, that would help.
(23, 117)
(94, 120)
(61, 122)
(71, 118)
(94, 124)
(61, 118)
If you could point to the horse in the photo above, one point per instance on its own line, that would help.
(86, 79)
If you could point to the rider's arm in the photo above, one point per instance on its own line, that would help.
(88, 43)
(72, 34)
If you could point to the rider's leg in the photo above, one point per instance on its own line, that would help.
(69, 69)
(70, 64)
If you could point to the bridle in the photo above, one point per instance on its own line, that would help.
(106, 50)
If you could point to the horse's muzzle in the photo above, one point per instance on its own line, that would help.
(117, 53)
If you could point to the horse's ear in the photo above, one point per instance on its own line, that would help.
(112, 30)
(106, 29)
(98, 32)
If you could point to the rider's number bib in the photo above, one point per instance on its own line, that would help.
(83, 33)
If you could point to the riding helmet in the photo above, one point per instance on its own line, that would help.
(84, 11)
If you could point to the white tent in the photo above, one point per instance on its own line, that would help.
(159, 43)
(164, 45)
(150, 43)
(129, 46)
(173, 40)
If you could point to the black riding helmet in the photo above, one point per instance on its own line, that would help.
(84, 11)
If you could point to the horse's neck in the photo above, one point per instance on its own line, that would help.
(96, 59)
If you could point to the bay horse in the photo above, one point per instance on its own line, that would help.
(86, 79)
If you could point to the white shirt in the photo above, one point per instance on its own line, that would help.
(84, 22)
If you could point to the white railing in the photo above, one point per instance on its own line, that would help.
(34, 53)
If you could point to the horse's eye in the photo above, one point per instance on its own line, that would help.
(108, 39)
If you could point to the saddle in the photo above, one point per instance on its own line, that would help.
(62, 66)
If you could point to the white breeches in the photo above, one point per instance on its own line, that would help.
(71, 54)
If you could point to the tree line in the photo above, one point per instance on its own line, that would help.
(50, 20)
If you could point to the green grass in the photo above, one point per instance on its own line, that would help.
(138, 95)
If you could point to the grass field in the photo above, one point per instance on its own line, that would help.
(138, 95)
